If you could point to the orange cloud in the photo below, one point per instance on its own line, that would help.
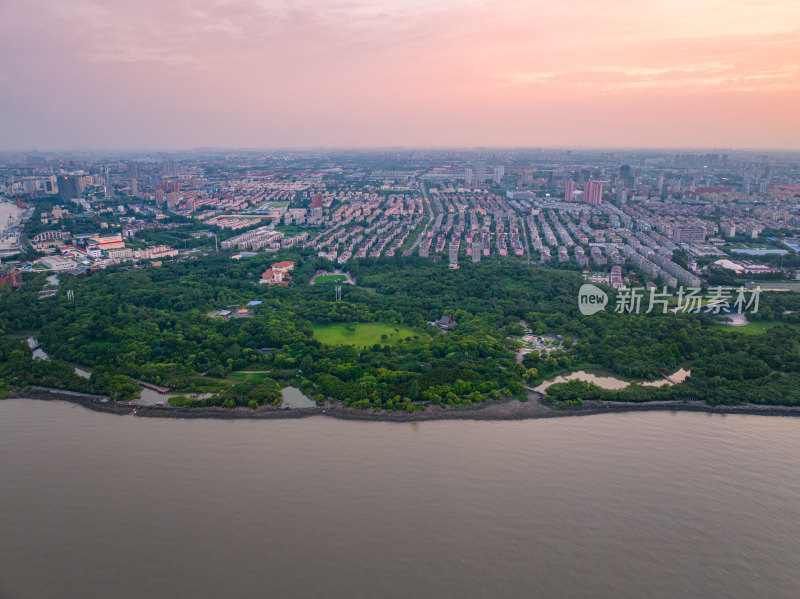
(384, 72)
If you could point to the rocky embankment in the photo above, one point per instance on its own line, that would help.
(509, 409)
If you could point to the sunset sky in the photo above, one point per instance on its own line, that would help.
(277, 73)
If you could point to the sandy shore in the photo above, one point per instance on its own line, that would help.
(509, 409)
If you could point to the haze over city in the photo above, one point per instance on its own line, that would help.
(113, 74)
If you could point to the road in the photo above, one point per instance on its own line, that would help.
(422, 233)
(525, 239)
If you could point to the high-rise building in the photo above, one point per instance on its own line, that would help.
(568, 191)
(169, 168)
(10, 279)
(625, 176)
(689, 234)
(69, 187)
(622, 195)
(316, 206)
(134, 187)
(479, 175)
(499, 173)
(477, 249)
(593, 193)
(453, 252)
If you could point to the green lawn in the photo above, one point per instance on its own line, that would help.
(330, 279)
(790, 285)
(254, 377)
(756, 327)
(364, 335)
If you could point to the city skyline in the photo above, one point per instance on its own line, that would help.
(249, 74)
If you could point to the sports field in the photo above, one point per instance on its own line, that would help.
(365, 334)
(330, 279)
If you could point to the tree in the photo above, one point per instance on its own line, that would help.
(413, 390)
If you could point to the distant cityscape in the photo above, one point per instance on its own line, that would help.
(620, 217)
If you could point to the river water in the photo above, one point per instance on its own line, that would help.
(7, 211)
(653, 505)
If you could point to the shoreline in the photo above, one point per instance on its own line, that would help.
(508, 409)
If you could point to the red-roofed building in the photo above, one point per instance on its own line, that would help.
(446, 323)
(284, 266)
(274, 277)
(108, 242)
(277, 274)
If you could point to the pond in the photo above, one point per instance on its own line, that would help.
(38, 352)
(294, 398)
(148, 397)
(84, 371)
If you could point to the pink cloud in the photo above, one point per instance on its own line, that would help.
(439, 72)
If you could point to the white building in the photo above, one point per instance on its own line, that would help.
(58, 263)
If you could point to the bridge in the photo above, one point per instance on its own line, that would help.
(661, 372)
(154, 387)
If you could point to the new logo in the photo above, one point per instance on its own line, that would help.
(591, 299)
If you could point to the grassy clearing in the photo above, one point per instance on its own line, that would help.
(790, 285)
(364, 334)
(756, 327)
(330, 279)
(254, 377)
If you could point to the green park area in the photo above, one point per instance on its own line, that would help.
(756, 327)
(147, 325)
(253, 377)
(361, 334)
(330, 279)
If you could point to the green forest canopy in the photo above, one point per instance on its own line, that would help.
(151, 324)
